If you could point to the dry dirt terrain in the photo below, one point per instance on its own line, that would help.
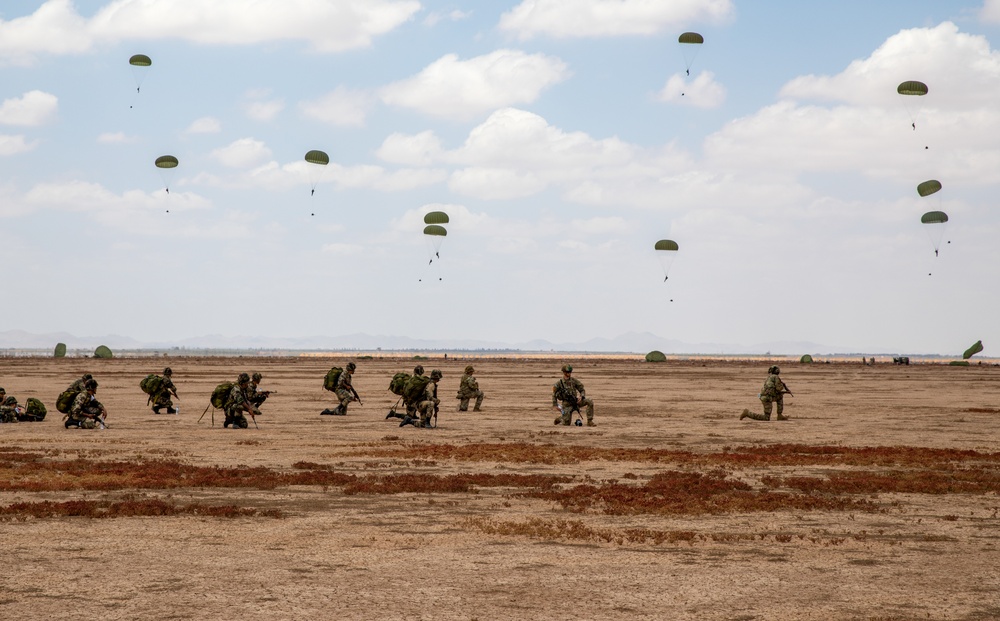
(877, 500)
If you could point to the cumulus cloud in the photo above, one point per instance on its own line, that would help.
(343, 106)
(204, 125)
(415, 150)
(435, 17)
(57, 28)
(702, 92)
(264, 110)
(242, 153)
(990, 13)
(608, 18)
(463, 89)
(12, 145)
(31, 109)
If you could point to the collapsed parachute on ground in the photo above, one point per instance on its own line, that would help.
(666, 252)
(103, 351)
(434, 234)
(319, 158)
(139, 62)
(656, 356)
(60, 351)
(935, 221)
(806, 359)
(436, 217)
(972, 351)
(166, 163)
(690, 43)
(931, 186)
(908, 90)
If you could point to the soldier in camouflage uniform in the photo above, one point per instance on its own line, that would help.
(254, 396)
(10, 411)
(468, 388)
(772, 392)
(79, 385)
(237, 403)
(345, 390)
(162, 398)
(87, 412)
(565, 401)
(411, 408)
(429, 402)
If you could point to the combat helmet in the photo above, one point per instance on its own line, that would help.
(243, 379)
(774, 370)
(168, 371)
(257, 376)
(11, 400)
(470, 370)
(567, 368)
(436, 374)
(418, 370)
(90, 384)
(351, 366)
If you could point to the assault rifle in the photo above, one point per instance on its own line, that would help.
(787, 389)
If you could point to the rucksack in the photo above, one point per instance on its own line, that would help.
(413, 390)
(151, 384)
(330, 381)
(65, 401)
(398, 383)
(35, 409)
(220, 396)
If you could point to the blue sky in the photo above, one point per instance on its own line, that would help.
(554, 134)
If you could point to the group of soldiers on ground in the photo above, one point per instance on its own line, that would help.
(417, 392)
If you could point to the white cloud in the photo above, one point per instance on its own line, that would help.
(11, 145)
(601, 225)
(204, 125)
(343, 106)
(115, 138)
(242, 153)
(31, 109)
(264, 110)
(607, 18)
(702, 92)
(342, 249)
(455, 89)
(436, 17)
(414, 150)
(328, 26)
(990, 12)
(495, 183)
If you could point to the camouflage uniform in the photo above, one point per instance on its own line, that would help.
(563, 392)
(10, 411)
(234, 408)
(772, 392)
(254, 396)
(344, 390)
(468, 388)
(78, 385)
(428, 401)
(411, 408)
(162, 397)
(84, 410)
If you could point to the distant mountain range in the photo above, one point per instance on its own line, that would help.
(630, 342)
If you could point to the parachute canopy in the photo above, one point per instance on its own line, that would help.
(972, 351)
(166, 161)
(60, 351)
(666, 244)
(103, 351)
(691, 37)
(912, 87)
(666, 251)
(317, 157)
(934, 217)
(140, 60)
(806, 359)
(436, 217)
(435, 230)
(929, 187)
(690, 43)
(656, 356)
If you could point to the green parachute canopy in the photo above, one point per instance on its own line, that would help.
(436, 217)
(806, 359)
(60, 351)
(666, 244)
(666, 252)
(655, 356)
(435, 230)
(972, 351)
(929, 187)
(103, 351)
(317, 157)
(166, 161)
(691, 37)
(140, 60)
(690, 44)
(934, 217)
(912, 87)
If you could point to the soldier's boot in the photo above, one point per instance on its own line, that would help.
(171, 410)
(745, 414)
(477, 409)
(406, 421)
(156, 409)
(591, 423)
(558, 419)
(782, 417)
(393, 414)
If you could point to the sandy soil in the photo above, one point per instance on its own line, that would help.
(492, 552)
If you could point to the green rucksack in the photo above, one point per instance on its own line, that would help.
(220, 396)
(413, 390)
(330, 381)
(65, 401)
(151, 384)
(35, 409)
(398, 383)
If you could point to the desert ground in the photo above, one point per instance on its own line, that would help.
(877, 500)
